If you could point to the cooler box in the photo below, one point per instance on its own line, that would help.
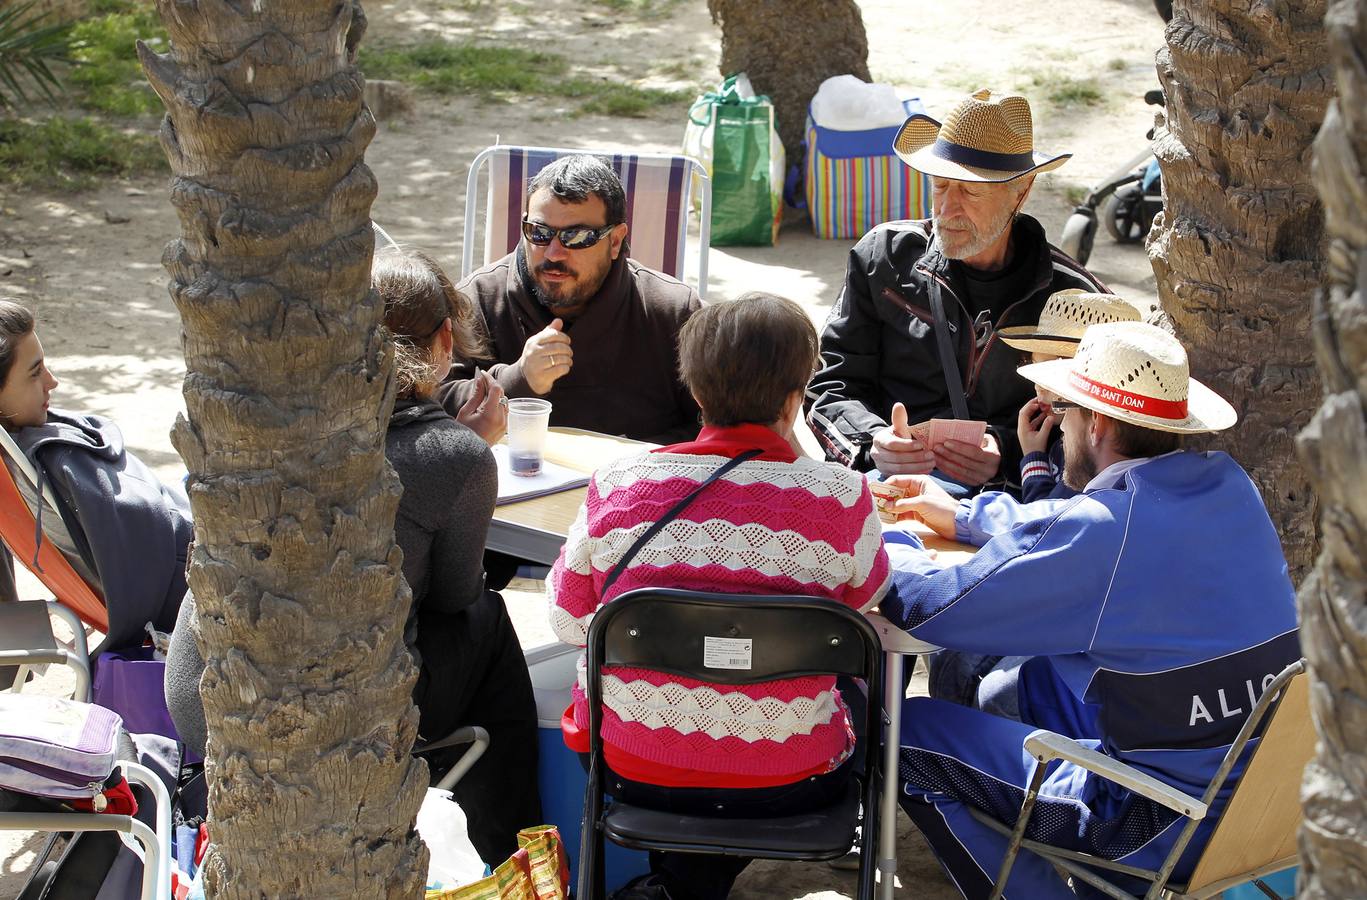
(853, 180)
(560, 775)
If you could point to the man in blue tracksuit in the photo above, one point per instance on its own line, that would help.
(1155, 604)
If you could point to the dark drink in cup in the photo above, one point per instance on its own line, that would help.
(528, 419)
(525, 463)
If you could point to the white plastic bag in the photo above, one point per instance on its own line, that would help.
(845, 103)
(441, 823)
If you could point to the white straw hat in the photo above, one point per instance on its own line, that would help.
(1136, 373)
(1066, 315)
(984, 138)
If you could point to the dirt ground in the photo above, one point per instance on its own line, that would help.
(89, 264)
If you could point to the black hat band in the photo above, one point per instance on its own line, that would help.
(982, 159)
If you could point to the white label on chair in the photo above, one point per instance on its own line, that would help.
(726, 653)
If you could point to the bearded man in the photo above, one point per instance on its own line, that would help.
(912, 335)
(569, 317)
(1155, 606)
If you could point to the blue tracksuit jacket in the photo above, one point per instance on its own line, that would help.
(1157, 605)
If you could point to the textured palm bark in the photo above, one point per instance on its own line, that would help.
(306, 688)
(788, 47)
(1238, 249)
(1333, 600)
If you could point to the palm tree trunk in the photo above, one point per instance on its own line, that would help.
(788, 47)
(301, 604)
(1333, 600)
(1238, 249)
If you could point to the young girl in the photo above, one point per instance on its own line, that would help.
(123, 531)
(1066, 315)
(471, 668)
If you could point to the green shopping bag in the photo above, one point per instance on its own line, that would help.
(731, 131)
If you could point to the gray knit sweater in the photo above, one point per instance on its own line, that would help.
(450, 484)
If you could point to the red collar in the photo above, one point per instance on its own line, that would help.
(734, 440)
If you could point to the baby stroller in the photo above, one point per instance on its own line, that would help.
(1126, 202)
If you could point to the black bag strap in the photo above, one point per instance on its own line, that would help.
(671, 515)
(949, 361)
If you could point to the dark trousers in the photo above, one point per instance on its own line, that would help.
(473, 673)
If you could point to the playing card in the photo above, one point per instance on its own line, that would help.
(965, 430)
(921, 431)
(884, 495)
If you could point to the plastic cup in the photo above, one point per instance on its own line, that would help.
(528, 419)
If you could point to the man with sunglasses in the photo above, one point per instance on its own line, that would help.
(569, 317)
(912, 335)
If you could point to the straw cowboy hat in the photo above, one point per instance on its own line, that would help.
(1136, 373)
(982, 139)
(1065, 316)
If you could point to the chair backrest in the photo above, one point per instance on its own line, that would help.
(733, 638)
(18, 530)
(730, 639)
(659, 190)
(1258, 827)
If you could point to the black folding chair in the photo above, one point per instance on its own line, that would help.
(668, 630)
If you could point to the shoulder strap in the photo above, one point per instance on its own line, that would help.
(949, 362)
(669, 516)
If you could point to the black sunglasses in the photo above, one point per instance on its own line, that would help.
(575, 237)
(1059, 407)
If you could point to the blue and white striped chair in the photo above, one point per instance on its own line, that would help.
(659, 189)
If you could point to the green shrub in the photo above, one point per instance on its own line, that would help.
(108, 77)
(73, 153)
(616, 99)
(497, 72)
(445, 68)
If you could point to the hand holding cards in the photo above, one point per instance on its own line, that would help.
(884, 496)
(935, 432)
(916, 497)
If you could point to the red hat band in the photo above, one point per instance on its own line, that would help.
(1137, 403)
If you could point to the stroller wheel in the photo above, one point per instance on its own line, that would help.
(1123, 213)
(1078, 233)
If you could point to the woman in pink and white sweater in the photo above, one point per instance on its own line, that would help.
(778, 523)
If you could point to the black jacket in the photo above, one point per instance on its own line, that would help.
(625, 378)
(878, 346)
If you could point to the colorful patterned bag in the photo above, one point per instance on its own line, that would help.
(854, 182)
(537, 871)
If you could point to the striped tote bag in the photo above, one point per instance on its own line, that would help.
(854, 182)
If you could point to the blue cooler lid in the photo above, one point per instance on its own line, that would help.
(838, 144)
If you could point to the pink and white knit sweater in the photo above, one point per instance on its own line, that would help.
(776, 524)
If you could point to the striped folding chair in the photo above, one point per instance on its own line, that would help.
(659, 190)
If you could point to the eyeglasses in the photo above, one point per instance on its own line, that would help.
(575, 237)
(1059, 407)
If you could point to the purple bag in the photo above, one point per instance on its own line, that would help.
(130, 682)
(50, 747)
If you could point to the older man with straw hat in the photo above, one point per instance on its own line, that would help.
(911, 337)
(1155, 606)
